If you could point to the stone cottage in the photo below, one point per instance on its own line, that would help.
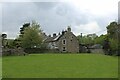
(64, 42)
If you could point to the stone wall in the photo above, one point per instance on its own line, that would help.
(13, 52)
(97, 51)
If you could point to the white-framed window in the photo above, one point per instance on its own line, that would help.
(64, 41)
(54, 44)
(64, 48)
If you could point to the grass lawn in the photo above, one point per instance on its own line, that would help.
(60, 66)
(0, 67)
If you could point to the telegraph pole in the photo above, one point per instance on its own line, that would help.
(81, 38)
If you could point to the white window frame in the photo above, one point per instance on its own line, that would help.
(64, 50)
(63, 41)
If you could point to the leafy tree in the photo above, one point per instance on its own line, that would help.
(114, 44)
(10, 43)
(25, 25)
(106, 46)
(0, 39)
(100, 39)
(3, 39)
(87, 39)
(113, 31)
(32, 36)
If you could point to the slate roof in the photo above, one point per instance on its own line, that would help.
(49, 39)
(52, 39)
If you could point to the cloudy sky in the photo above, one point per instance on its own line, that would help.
(84, 16)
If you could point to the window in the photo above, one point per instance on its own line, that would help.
(64, 48)
(54, 44)
(71, 37)
(64, 42)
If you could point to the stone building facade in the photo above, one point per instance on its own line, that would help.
(64, 42)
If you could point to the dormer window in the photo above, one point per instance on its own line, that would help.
(64, 41)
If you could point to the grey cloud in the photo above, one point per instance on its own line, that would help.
(52, 16)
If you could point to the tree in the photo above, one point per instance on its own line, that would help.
(10, 43)
(32, 36)
(113, 31)
(87, 39)
(100, 39)
(113, 44)
(25, 25)
(106, 46)
(3, 39)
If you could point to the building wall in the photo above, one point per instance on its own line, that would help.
(72, 44)
(97, 51)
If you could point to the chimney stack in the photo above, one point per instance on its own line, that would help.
(63, 32)
(69, 29)
(49, 35)
(54, 35)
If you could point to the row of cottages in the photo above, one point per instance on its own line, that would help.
(64, 42)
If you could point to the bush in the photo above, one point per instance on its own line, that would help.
(114, 46)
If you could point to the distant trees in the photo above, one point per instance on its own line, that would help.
(10, 43)
(17, 42)
(0, 39)
(114, 44)
(113, 31)
(31, 35)
(100, 39)
(109, 41)
(3, 36)
(22, 29)
(87, 39)
(7, 43)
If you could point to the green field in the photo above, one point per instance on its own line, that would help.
(60, 66)
(0, 67)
